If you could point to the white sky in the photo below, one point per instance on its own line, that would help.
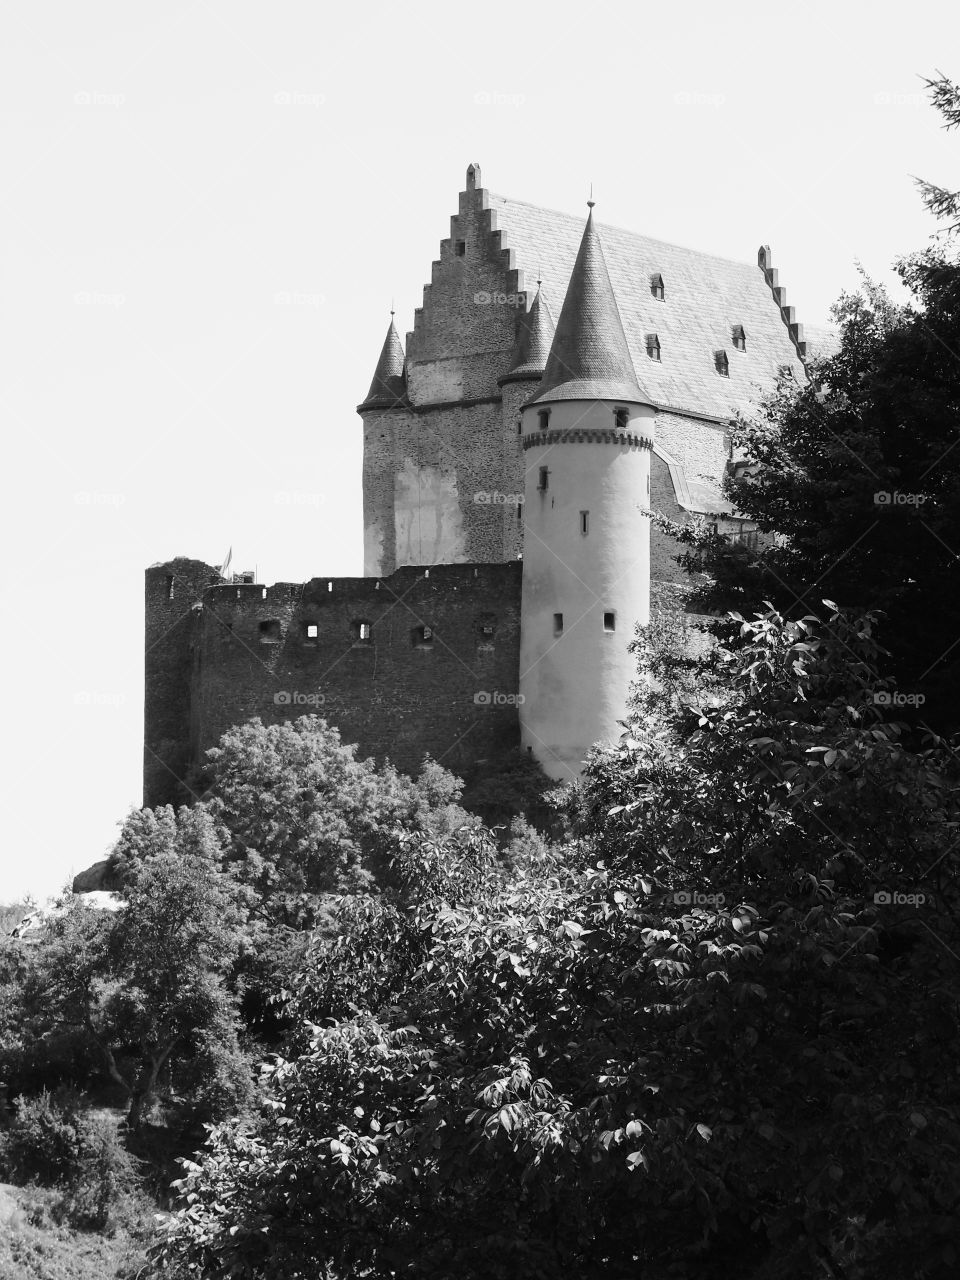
(170, 168)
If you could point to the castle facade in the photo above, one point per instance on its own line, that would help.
(511, 451)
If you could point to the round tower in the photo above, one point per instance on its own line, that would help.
(587, 434)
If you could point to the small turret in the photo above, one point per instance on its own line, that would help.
(534, 338)
(388, 390)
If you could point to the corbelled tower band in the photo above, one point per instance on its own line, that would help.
(587, 439)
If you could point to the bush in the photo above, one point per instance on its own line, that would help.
(41, 1143)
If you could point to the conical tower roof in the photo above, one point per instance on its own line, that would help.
(389, 386)
(589, 358)
(534, 339)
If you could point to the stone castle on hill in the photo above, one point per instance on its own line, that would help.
(510, 454)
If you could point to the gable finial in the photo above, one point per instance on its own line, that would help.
(591, 202)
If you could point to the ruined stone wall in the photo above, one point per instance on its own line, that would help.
(397, 696)
(173, 595)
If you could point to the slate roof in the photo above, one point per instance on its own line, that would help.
(529, 357)
(389, 385)
(705, 296)
(589, 357)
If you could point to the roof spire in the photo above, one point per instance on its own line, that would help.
(591, 202)
(389, 386)
(589, 357)
(535, 332)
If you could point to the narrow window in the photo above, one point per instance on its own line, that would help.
(653, 346)
(312, 631)
(721, 363)
(519, 510)
(621, 418)
(656, 286)
(609, 622)
(329, 586)
(422, 637)
(362, 632)
(558, 624)
(739, 337)
(544, 482)
(584, 522)
(461, 248)
(543, 418)
(169, 586)
(519, 427)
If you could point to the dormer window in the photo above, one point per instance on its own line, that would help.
(543, 419)
(621, 419)
(656, 286)
(653, 346)
(721, 363)
(739, 338)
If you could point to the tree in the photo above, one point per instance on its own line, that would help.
(854, 478)
(942, 202)
(564, 1068)
(147, 985)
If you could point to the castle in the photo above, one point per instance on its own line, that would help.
(510, 454)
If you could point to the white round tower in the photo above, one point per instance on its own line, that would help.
(587, 437)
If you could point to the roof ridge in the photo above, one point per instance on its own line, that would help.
(612, 226)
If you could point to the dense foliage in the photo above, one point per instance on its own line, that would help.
(564, 1068)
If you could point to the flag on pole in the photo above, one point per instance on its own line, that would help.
(226, 563)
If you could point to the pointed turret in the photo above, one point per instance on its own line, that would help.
(589, 358)
(534, 339)
(388, 389)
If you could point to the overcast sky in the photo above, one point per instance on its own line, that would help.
(206, 209)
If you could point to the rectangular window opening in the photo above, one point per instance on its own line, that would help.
(584, 522)
(169, 586)
(460, 248)
(609, 622)
(312, 631)
(544, 482)
(558, 624)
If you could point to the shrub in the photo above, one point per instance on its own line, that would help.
(100, 1193)
(42, 1143)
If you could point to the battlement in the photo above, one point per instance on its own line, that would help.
(424, 661)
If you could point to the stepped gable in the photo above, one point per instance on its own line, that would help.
(705, 297)
(589, 357)
(388, 388)
(534, 339)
